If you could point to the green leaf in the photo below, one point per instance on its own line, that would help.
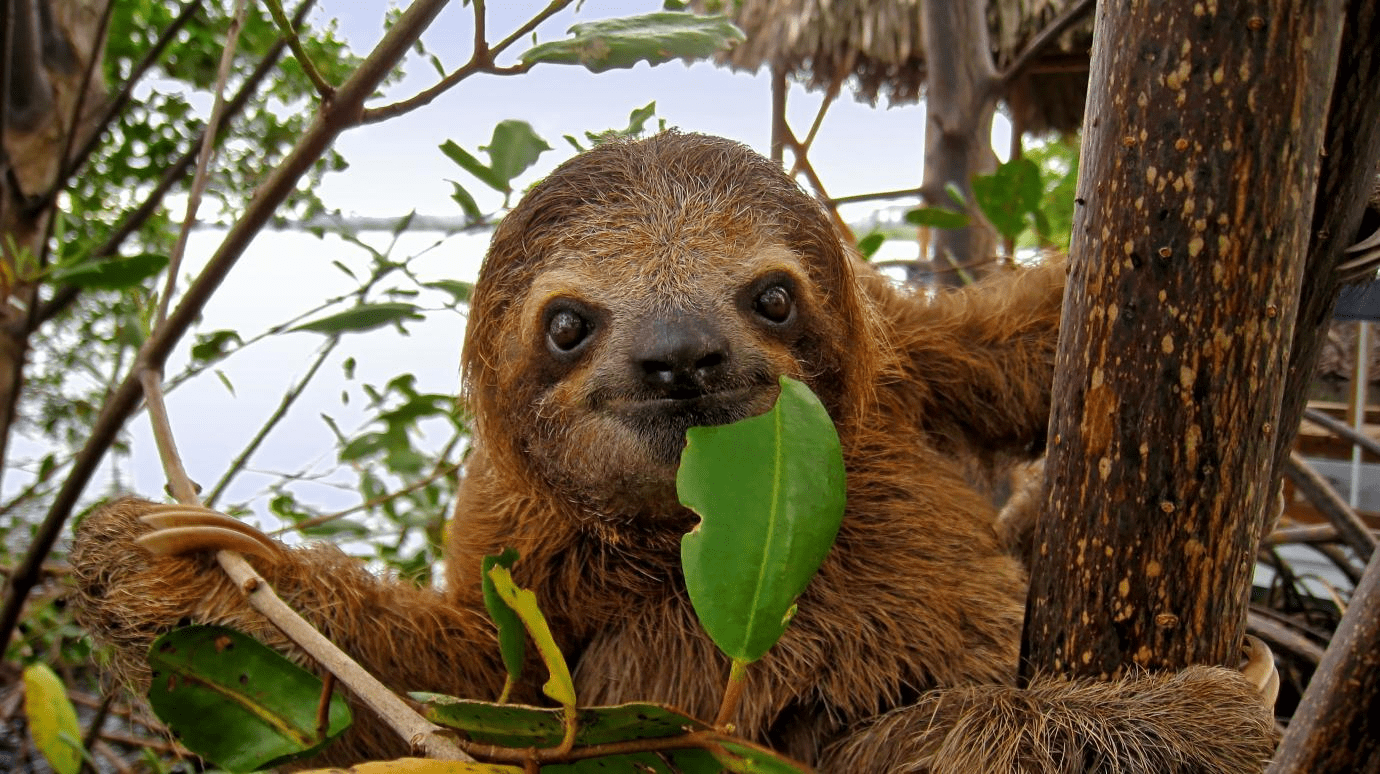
(235, 701)
(364, 317)
(516, 725)
(110, 274)
(523, 602)
(1008, 195)
(52, 719)
(653, 38)
(467, 203)
(513, 149)
(461, 291)
(474, 166)
(212, 346)
(936, 217)
(770, 494)
(868, 245)
(512, 642)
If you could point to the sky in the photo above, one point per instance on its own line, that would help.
(396, 167)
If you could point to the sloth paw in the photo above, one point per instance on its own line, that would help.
(185, 529)
(1259, 668)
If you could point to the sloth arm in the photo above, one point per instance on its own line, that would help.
(977, 364)
(1200, 720)
(410, 638)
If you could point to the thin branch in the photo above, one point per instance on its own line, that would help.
(868, 197)
(480, 61)
(339, 115)
(1342, 429)
(440, 472)
(64, 296)
(1313, 486)
(288, 399)
(289, 28)
(1042, 40)
(203, 162)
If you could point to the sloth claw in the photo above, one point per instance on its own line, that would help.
(185, 529)
(1260, 669)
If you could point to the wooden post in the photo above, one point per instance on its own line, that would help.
(1200, 160)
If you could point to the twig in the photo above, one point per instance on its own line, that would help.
(286, 403)
(441, 472)
(481, 61)
(203, 162)
(1342, 429)
(323, 87)
(868, 197)
(339, 115)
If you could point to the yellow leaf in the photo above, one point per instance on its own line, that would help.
(523, 602)
(52, 720)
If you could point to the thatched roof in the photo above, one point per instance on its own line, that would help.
(879, 44)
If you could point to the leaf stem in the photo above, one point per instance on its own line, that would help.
(733, 692)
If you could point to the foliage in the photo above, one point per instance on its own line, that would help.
(237, 701)
(771, 489)
(1028, 200)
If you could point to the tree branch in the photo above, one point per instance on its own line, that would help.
(480, 61)
(342, 113)
(289, 28)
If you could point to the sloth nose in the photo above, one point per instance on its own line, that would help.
(682, 356)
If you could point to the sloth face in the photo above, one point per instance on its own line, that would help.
(626, 361)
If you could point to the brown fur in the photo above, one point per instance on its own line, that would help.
(917, 602)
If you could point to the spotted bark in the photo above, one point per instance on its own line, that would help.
(1200, 153)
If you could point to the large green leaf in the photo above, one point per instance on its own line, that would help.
(364, 317)
(654, 38)
(770, 494)
(1008, 195)
(235, 701)
(475, 167)
(52, 719)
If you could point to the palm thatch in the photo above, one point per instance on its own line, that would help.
(879, 45)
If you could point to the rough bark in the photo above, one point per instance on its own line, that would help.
(1351, 159)
(1337, 725)
(1200, 148)
(959, 102)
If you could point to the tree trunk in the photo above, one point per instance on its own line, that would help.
(959, 103)
(1200, 160)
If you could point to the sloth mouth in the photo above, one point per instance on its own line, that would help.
(661, 422)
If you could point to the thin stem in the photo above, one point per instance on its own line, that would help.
(288, 399)
(481, 61)
(733, 693)
(323, 87)
(203, 163)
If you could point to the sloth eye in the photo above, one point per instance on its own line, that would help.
(774, 304)
(566, 330)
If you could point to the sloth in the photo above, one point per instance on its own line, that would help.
(646, 287)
